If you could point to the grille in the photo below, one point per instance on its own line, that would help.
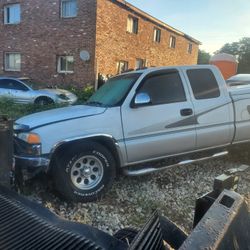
(23, 230)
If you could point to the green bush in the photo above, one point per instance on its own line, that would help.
(83, 94)
(15, 111)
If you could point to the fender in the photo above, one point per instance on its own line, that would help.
(99, 137)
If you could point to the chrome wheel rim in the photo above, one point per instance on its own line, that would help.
(87, 172)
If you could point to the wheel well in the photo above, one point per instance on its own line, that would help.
(104, 141)
(43, 97)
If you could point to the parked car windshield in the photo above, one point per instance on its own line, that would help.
(29, 83)
(114, 91)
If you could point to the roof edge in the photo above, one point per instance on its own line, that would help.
(154, 19)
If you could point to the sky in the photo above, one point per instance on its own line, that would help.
(213, 22)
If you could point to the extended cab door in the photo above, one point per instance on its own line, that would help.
(213, 107)
(162, 127)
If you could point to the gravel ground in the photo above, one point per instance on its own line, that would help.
(131, 200)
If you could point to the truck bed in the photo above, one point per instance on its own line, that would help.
(27, 225)
(241, 101)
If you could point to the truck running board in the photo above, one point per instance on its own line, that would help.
(140, 170)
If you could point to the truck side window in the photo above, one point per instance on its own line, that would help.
(164, 88)
(203, 83)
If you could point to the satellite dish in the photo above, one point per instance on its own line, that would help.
(84, 55)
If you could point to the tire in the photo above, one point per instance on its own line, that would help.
(84, 174)
(43, 100)
(126, 235)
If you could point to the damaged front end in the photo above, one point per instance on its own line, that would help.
(28, 153)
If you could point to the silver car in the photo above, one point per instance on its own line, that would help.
(21, 91)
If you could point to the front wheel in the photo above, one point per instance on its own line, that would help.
(43, 101)
(84, 174)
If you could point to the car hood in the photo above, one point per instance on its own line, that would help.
(55, 92)
(57, 115)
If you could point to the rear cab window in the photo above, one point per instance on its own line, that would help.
(203, 83)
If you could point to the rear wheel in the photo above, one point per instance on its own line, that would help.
(43, 100)
(84, 174)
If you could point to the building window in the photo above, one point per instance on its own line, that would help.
(122, 66)
(12, 62)
(68, 8)
(65, 64)
(190, 48)
(172, 42)
(132, 25)
(12, 14)
(157, 35)
(140, 63)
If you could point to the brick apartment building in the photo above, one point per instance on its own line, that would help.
(72, 41)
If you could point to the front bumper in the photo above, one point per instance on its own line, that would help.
(30, 166)
(72, 100)
(29, 160)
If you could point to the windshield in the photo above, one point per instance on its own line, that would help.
(113, 92)
(29, 83)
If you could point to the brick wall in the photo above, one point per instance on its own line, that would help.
(114, 43)
(43, 35)
(100, 28)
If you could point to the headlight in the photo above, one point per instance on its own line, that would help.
(31, 138)
(63, 97)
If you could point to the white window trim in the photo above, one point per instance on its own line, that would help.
(119, 64)
(190, 48)
(143, 61)
(133, 20)
(129, 24)
(5, 62)
(59, 66)
(171, 42)
(5, 13)
(156, 30)
(62, 16)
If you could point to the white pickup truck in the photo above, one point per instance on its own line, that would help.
(180, 114)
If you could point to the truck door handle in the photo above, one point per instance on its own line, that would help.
(186, 112)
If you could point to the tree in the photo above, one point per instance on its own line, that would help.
(241, 50)
(203, 57)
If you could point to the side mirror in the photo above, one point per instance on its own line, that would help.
(141, 99)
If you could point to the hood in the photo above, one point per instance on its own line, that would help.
(57, 115)
(57, 91)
